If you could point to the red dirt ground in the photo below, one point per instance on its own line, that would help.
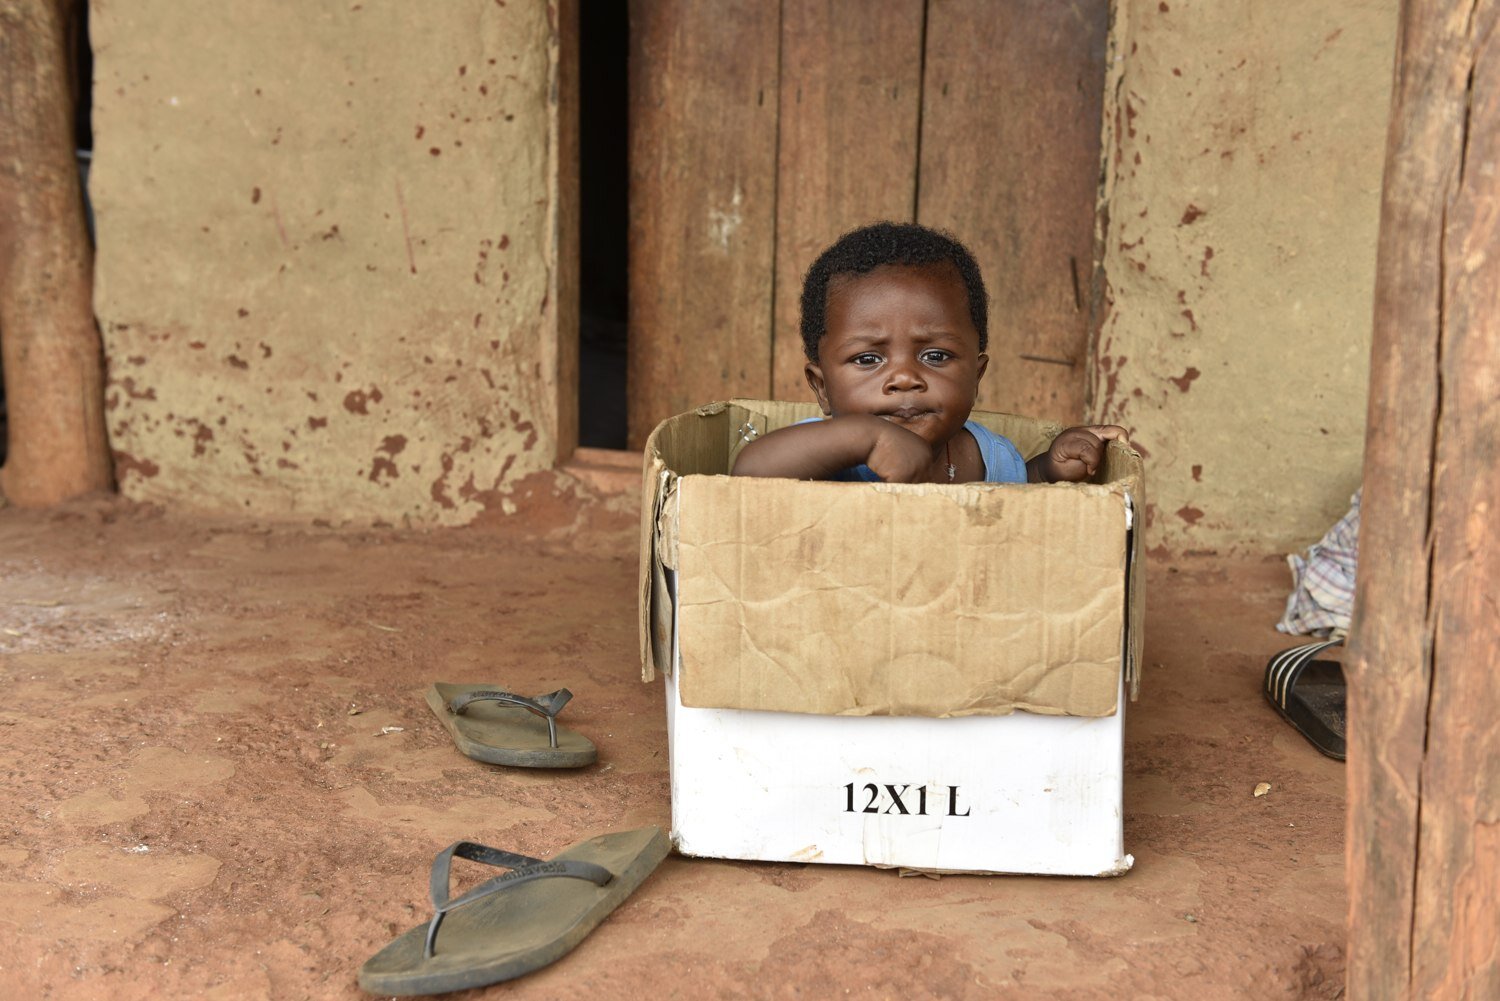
(199, 800)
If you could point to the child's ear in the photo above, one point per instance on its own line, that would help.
(984, 363)
(814, 375)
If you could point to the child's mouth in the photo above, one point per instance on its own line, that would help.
(906, 413)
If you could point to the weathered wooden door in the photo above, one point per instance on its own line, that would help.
(760, 132)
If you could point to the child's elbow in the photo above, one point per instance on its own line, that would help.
(742, 465)
(756, 460)
(745, 464)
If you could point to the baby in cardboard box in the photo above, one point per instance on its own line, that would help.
(895, 323)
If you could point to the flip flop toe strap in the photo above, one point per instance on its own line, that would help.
(523, 869)
(546, 706)
(1287, 666)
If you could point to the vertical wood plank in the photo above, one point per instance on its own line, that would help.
(1423, 835)
(703, 107)
(1011, 119)
(850, 100)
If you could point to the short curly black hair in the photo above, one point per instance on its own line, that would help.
(862, 250)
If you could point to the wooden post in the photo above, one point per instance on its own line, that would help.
(52, 356)
(1424, 659)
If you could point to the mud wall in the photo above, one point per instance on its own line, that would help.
(1244, 149)
(325, 236)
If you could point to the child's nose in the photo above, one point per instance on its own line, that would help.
(904, 375)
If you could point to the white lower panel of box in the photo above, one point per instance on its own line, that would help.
(1006, 794)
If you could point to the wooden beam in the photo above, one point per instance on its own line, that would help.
(1423, 836)
(49, 343)
(703, 107)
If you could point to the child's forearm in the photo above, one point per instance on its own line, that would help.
(814, 451)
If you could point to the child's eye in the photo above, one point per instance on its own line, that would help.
(935, 356)
(866, 360)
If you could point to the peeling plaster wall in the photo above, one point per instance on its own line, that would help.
(325, 236)
(1244, 146)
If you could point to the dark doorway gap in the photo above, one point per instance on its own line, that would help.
(83, 73)
(83, 105)
(604, 220)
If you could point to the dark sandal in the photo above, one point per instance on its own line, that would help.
(1310, 694)
(501, 728)
(517, 922)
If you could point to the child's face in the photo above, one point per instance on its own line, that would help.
(900, 345)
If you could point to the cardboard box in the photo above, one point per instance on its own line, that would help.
(911, 675)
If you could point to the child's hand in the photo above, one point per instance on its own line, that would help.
(899, 455)
(1075, 454)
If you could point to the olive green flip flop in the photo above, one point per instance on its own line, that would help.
(517, 922)
(500, 728)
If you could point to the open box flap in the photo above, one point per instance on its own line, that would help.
(1122, 465)
(694, 442)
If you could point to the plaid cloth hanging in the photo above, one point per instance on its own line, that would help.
(1322, 598)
